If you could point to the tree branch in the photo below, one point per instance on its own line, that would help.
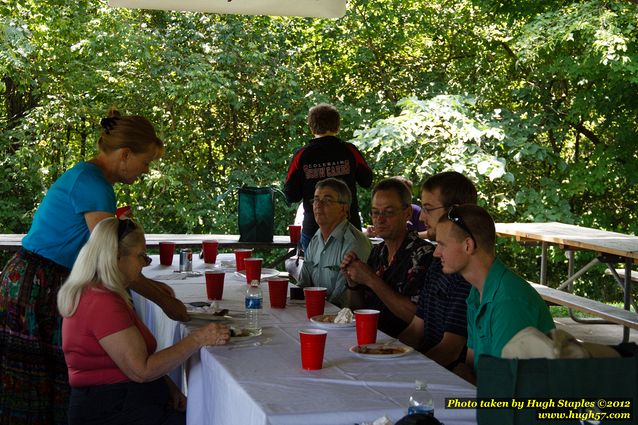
(587, 133)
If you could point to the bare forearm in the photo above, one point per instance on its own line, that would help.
(146, 288)
(166, 360)
(413, 334)
(355, 299)
(128, 350)
(465, 372)
(173, 307)
(443, 355)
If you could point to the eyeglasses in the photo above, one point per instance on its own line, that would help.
(458, 220)
(325, 201)
(124, 227)
(389, 213)
(428, 211)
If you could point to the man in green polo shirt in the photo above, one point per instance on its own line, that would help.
(500, 303)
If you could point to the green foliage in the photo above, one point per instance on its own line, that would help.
(448, 132)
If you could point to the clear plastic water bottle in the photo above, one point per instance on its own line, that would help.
(421, 400)
(253, 303)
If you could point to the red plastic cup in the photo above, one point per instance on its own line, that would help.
(295, 233)
(210, 251)
(315, 300)
(121, 211)
(240, 256)
(278, 290)
(214, 284)
(166, 253)
(313, 344)
(366, 324)
(253, 269)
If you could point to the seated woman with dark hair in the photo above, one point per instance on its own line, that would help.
(116, 376)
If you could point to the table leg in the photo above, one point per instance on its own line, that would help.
(543, 279)
(571, 277)
(621, 282)
(570, 268)
(627, 292)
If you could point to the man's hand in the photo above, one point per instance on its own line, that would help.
(348, 259)
(361, 273)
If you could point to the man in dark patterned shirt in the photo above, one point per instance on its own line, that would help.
(439, 327)
(392, 278)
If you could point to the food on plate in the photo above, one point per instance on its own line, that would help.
(326, 318)
(207, 309)
(344, 316)
(235, 333)
(379, 350)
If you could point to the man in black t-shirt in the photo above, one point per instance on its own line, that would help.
(325, 156)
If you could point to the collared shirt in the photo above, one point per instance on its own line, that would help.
(442, 305)
(405, 274)
(323, 258)
(509, 304)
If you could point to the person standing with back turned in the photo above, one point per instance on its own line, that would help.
(34, 385)
(325, 156)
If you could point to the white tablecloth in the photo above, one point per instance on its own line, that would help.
(245, 384)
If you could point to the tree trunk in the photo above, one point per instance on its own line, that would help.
(17, 104)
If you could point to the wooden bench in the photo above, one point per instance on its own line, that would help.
(621, 274)
(595, 308)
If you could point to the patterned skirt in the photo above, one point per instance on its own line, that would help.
(34, 386)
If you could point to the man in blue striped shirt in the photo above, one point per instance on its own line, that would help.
(439, 327)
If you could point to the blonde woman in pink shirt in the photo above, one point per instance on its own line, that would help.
(116, 374)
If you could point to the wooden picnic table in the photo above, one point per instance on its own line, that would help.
(611, 248)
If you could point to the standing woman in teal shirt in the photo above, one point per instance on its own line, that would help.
(33, 375)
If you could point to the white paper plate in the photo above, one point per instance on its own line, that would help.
(393, 351)
(319, 322)
(243, 337)
(203, 315)
(217, 268)
(265, 273)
